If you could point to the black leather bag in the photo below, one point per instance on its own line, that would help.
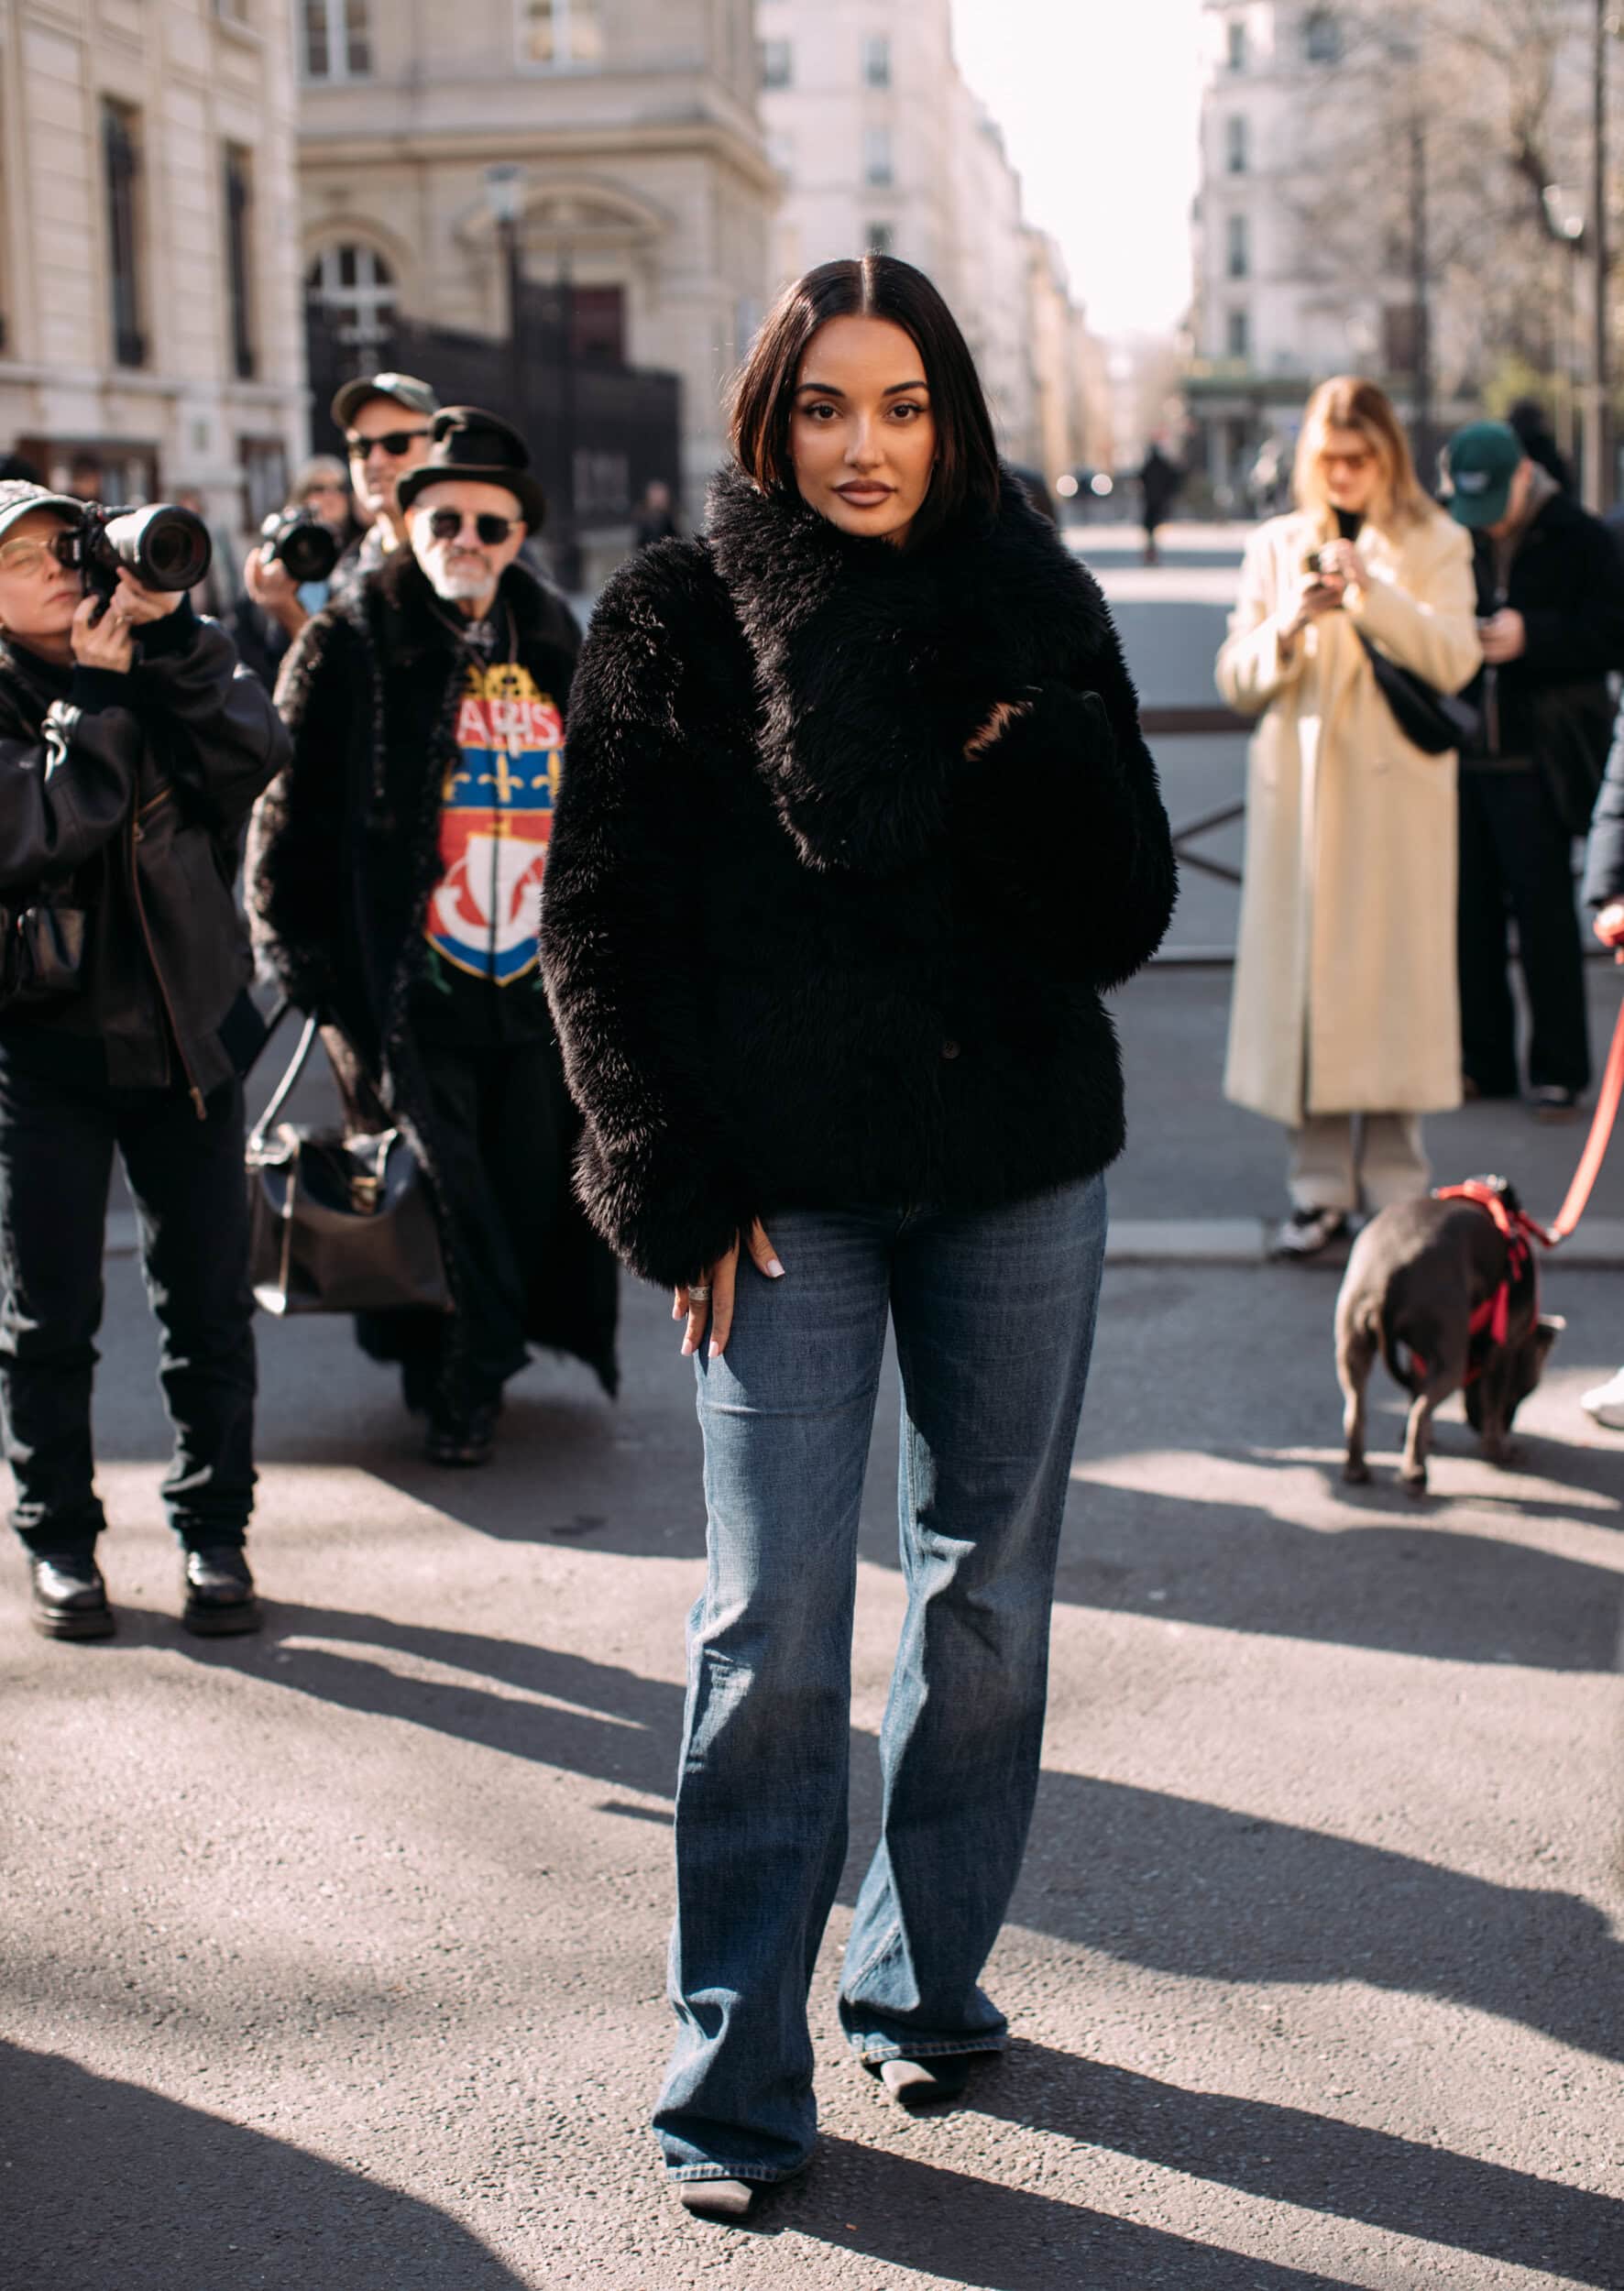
(340, 1221)
(1431, 720)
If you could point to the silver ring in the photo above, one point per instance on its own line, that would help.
(700, 1292)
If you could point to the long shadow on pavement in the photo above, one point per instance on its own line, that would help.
(107, 2183)
(961, 2230)
(1288, 2155)
(1141, 1875)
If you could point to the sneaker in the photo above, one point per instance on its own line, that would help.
(1606, 1402)
(69, 1597)
(1550, 1103)
(219, 1595)
(1308, 1231)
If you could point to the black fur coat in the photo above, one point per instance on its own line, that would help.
(344, 856)
(800, 951)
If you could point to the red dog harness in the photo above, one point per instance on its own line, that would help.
(1492, 1317)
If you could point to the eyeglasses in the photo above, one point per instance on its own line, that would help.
(28, 556)
(394, 443)
(445, 525)
(1361, 460)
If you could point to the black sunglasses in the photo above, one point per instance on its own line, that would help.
(445, 525)
(393, 442)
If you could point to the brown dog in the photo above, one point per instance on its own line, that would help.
(1418, 1277)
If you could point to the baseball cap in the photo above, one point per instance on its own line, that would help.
(19, 498)
(1479, 462)
(404, 389)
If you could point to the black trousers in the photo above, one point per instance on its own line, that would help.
(1517, 859)
(56, 1143)
(495, 1125)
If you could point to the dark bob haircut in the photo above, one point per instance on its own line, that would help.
(965, 480)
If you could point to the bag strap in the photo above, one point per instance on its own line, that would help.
(285, 1089)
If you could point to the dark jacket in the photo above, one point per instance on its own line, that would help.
(129, 795)
(346, 856)
(800, 950)
(1566, 579)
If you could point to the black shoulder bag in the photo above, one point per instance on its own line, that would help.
(339, 1220)
(1431, 720)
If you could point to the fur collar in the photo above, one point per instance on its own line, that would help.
(396, 609)
(874, 665)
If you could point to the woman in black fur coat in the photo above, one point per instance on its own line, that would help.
(857, 826)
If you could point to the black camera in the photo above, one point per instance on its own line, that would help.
(298, 540)
(162, 546)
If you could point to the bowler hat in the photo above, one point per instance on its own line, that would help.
(481, 448)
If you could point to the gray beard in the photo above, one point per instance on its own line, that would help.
(455, 587)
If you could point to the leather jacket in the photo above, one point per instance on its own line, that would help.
(128, 796)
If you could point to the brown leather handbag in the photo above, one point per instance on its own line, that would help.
(341, 1221)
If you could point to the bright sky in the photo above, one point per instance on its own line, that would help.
(1098, 101)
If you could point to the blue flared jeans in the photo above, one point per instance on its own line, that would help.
(994, 1318)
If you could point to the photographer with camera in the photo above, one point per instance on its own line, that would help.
(132, 747)
(1344, 1023)
(288, 575)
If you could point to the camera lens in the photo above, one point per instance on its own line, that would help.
(309, 551)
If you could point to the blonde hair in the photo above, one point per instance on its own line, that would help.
(1349, 402)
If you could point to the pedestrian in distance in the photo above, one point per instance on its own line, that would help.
(655, 520)
(1604, 893)
(1550, 601)
(132, 747)
(858, 826)
(1160, 482)
(1344, 1022)
(396, 881)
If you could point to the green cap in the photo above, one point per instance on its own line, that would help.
(1479, 462)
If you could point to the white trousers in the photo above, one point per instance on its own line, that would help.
(1334, 1156)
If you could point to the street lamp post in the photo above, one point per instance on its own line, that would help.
(504, 192)
(1598, 471)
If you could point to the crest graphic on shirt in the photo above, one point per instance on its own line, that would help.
(495, 819)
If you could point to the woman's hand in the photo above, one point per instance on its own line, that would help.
(273, 587)
(720, 1280)
(1004, 712)
(1340, 561)
(102, 639)
(1609, 927)
(138, 604)
(1316, 596)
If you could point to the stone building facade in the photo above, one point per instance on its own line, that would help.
(882, 145)
(646, 182)
(149, 311)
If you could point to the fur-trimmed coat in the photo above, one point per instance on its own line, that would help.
(800, 950)
(344, 857)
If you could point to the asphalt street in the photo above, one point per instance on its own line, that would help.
(332, 1959)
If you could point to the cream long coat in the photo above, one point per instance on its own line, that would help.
(1345, 996)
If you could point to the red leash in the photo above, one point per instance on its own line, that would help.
(1596, 1145)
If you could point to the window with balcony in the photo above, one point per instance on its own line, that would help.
(1237, 248)
(239, 258)
(1238, 334)
(561, 35)
(121, 168)
(353, 290)
(1235, 144)
(1235, 47)
(778, 63)
(1321, 37)
(876, 156)
(876, 60)
(337, 39)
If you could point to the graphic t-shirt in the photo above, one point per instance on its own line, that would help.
(495, 821)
